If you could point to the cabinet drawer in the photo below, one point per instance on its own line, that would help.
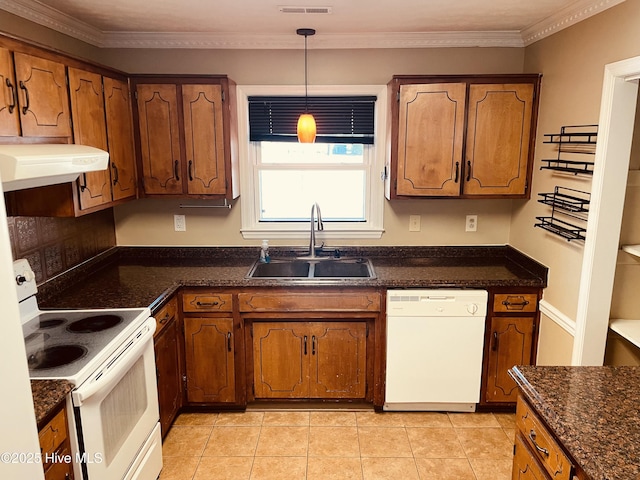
(53, 433)
(515, 302)
(525, 466)
(165, 314)
(295, 302)
(61, 469)
(207, 302)
(541, 443)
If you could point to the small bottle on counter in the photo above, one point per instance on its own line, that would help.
(264, 252)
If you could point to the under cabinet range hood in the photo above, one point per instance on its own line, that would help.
(34, 165)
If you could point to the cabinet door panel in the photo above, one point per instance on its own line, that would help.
(204, 138)
(209, 359)
(498, 135)
(120, 136)
(511, 344)
(43, 98)
(430, 136)
(168, 375)
(9, 117)
(281, 360)
(159, 139)
(89, 128)
(338, 360)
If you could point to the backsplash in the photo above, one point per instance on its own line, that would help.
(53, 245)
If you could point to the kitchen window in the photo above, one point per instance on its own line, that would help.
(281, 179)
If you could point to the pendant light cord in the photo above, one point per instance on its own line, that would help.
(306, 94)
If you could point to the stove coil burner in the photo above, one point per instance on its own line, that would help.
(57, 356)
(94, 324)
(50, 322)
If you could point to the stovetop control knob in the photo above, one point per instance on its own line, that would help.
(25, 276)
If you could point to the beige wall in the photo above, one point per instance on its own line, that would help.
(572, 63)
(442, 220)
(554, 343)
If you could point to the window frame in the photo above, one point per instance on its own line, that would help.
(252, 228)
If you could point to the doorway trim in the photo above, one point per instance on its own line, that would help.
(615, 132)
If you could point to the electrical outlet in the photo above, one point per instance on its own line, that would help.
(179, 223)
(472, 223)
(414, 223)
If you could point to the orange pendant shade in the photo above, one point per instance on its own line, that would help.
(306, 128)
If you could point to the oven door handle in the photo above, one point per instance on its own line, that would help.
(117, 367)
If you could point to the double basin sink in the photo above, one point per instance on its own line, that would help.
(316, 268)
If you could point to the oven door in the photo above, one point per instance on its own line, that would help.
(116, 411)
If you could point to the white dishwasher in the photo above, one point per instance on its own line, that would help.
(435, 341)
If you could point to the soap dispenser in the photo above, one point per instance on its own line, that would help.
(264, 252)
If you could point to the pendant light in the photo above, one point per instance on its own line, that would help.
(306, 123)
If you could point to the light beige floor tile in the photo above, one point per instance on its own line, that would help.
(426, 419)
(492, 468)
(201, 419)
(333, 442)
(333, 419)
(185, 441)
(373, 419)
(238, 419)
(485, 442)
(232, 442)
(506, 420)
(464, 420)
(510, 433)
(384, 442)
(334, 468)
(430, 442)
(224, 468)
(279, 468)
(389, 469)
(444, 469)
(178, 468)
(289, 419)
(283, 441)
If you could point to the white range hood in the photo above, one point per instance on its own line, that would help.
(26, 166)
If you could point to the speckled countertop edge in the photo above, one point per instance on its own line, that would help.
(593, 412)
(47, 395)
(226, 267)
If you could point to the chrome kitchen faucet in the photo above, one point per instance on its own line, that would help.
(312, 238)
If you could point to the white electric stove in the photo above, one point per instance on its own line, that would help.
(108, 355)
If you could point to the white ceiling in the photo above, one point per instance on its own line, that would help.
(350, 23)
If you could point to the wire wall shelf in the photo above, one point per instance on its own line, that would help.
(573, 142)
(569, 213)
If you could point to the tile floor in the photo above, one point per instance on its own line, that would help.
(345, 445)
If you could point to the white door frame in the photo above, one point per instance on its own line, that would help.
(617, 117)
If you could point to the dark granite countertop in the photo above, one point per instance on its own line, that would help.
(594, 413)
(147, 276)
(47, 395)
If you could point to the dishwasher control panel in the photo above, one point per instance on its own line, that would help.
(441, 303)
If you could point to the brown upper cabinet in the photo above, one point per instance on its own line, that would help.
(462, 136)
(35, 100)
(187, 142)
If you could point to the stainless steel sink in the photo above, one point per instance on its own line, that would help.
(320, 268)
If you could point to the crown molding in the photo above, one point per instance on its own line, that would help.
(43, 15)
(330, 42)
(566, 17)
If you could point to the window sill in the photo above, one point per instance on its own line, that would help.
(260, 233)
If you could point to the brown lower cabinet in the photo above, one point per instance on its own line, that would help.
(209, 360)
(325, 359)
(510, 339)
(54, 444)
(537, 453)
(168, 373)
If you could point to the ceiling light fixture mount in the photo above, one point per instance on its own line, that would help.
(306, 123)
